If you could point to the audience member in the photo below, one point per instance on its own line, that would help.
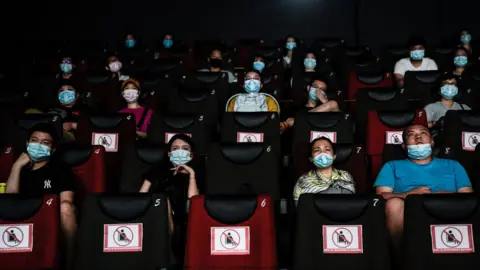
(115, 66)
(215, 64)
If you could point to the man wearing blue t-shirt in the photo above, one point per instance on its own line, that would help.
(420, 173)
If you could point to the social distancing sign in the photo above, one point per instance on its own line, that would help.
(249, 137)
(107, 140)
(470, 140)
(16, 238)
(123, 237)
(168, 136)
(393, 137)
(342, 239)
(332, 136)
(447, 239)
(230, 240)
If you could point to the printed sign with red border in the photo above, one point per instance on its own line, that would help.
(470, 140)
(16, 238)
(168, 136)
(230, 240)
(342, 239)
(451, 239)
(123, 237)
(393, 137)
(249, 137)
(107, 140)
(318, 134)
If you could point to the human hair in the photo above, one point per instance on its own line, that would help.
(45, 128)
(416, 40)
(183, 137)
(322, 139)
(405, 131)
(258, 73)
(131, 81)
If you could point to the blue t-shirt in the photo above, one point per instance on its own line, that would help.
(438, 175)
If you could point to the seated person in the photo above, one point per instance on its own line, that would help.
(323, 178)
(66, 67)
(259, 64)
(419, 173)
(130, 41)
(131, 94)
(290, 45)
(178, 180)
(35, 174)
(253, 101)
(317, 102)
(310, 62)
(460, 61)
(416, 62)
(215, 64)
(448, 91)
(466, 39)
(115, 66)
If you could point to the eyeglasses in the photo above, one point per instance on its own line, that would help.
(252, 78)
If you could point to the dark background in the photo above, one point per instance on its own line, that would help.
(370, 22)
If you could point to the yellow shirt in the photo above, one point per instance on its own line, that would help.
(271, 104)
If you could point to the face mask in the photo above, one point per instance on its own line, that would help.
(180, 157)
(258, 66)
(38, 152)
(419, 151)
(310, 63)
(216, 63)
(252, 86)
(460, 61)
(115, 66)
(449, 91)
(466, 38)
(130, 43)
(312, 94)
(291, 45)
(130, 95)
(323, 160)
(66, 68)
(66, 96)
(417, 54)
(167, 43)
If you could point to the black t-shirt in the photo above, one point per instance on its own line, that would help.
(52, 178)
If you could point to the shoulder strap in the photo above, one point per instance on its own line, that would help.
(142, 119)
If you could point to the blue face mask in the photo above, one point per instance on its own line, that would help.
(167, 43)
(417, 54)
(419, 151)
(310, 63)
(323, 160)
(312, 94)
(291, 45)
(38, 152)
(130, 43)
(66, 96)
(252, 86)
(66, 68)
(466, 38)
(460, 61)
(449, 91)
(258, 66)
(180, 157)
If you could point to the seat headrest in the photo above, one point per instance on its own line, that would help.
(343, 153)
(324, 119)
(370, 78)
(163, 66)
(26, 122)
(381, 94)
(450, 207)
(331, 43)
(192, 94)
(150, 154)
(97, 79)
(355, 51)
(16, 207)
(266, 51)
(398, 51)
(242, 153)
(230, 209)
(124, 207)
(209, 77)
(396, 119)
(469, 118)
(9, 98)
(444, 50)
(427, 76)
(76, 155)
(251, 120)
(109, 120)
(179, 121)
(341, 208)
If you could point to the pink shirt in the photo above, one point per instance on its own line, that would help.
(138, 112)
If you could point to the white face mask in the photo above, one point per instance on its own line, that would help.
(130, 95)
(115, 66)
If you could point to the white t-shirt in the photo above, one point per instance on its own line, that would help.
(404, 65)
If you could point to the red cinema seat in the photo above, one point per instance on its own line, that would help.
(6, 162)
(357, 81)
(386, 128)
(87, 163)
(230, 233)
(30, 232)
